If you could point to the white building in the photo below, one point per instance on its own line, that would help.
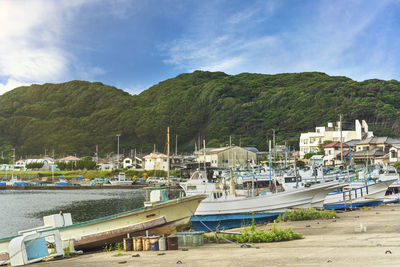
(310, 141)
(131, 164)
(156, 161)
(226, 157)
(394, 153)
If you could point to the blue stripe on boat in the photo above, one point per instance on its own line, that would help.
(352, 205)
(228, 221)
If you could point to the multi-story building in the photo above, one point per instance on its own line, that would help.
(309, 142)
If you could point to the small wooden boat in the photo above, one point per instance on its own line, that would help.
(163, 217)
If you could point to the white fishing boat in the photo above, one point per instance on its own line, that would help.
(356, 195)
(229, 211)
(121, 180)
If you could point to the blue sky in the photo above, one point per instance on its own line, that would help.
(135, 44)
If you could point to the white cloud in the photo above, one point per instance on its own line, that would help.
(9, 85)
(331, 39)
(33, 42)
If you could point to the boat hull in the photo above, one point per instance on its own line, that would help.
(162, 218)
(364, 196)
(209, 223)
(235, 212)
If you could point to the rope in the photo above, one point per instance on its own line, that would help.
(214, 232)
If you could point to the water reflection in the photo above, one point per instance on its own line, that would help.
(24, 209)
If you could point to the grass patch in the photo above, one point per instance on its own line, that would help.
(306, 214)
(252, 235)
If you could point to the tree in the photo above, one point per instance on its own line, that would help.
(34, 165)
(397, 165)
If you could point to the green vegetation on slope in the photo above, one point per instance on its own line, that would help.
(76, 116)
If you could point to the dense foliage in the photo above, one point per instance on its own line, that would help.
(34, 165)
(76, 116)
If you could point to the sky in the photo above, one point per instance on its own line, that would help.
(133, 45)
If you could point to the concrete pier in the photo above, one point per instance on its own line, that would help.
(365, 237)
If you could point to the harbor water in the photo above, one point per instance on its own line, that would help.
(24, 209)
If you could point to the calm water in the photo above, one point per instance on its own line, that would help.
(24, 209)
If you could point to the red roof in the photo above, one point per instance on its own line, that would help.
(335, 144)
(345, 153)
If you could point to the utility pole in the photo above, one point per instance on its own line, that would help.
(97, 153)
(230, 141)
(341, 141)
(45, 152)
(285, 154)
(176, 144)
(273, 131)
(118, 135)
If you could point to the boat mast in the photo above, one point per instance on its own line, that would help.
(295, 169)
(341, 140)
(232, 190)
(168, 156)
(270, 165)
(204, 147)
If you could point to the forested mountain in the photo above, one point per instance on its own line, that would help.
(76, 116)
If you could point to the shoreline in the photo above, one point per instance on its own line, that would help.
(71, 187)
(363, 237)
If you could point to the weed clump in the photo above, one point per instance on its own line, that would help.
(306, 214)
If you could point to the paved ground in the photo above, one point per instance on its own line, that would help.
(337, 242)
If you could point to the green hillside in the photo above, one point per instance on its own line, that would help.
(76, 116)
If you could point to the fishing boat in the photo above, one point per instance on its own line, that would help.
(230, 211)
(369, 194)
(161, 217)
(121, 180)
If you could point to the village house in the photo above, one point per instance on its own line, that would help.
(156, 161)
(333, 153)
(106, 164)
(133, 163)
(68, 159)
(309, 142)
(375, 148)
(394, 153)
(226, 157)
